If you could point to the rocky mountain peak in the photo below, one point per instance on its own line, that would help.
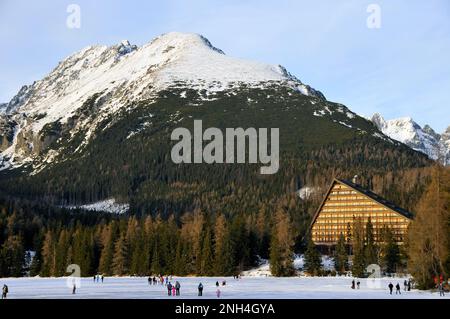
(424, 140)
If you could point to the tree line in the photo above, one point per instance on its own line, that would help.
(197, 244)
(45, 243)
(37, 240)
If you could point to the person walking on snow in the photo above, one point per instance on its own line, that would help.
(441, 290)
(173, 290)
(5, 291)
(169, 288)
(391, 287)
(397, 289)
(200, 289)
(405, 285)
(218, 293)
(358, 284)
(74, 289)
(353, 284)
(177, 287)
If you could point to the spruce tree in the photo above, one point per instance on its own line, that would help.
(13, 257)
(222, 252)
(358, 261)
(341, 256)
(207, 255)
(391, 252)
(137, 251)
(61, 253)
(370, 250)
(107, 251)
(48, 255)
(144, 258)
(171, 234)
(180, 259)
(82, 250)
(263, 232)
(276, 267)
(156, 263)
(36, 263)
(120, 258)
(312, 263)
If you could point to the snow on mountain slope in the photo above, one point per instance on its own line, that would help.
(445, 145)
(120, 75)
(130, 73)
(424, 140)
(3, 107)
(306, 192)
(108, 205)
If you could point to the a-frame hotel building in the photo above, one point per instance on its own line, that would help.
(344, 203)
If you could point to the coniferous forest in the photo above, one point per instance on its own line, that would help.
(204, 219)
(202, 243)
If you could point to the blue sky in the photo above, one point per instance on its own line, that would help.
(400, 69)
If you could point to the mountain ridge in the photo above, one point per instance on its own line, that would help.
(119, 77)
(426, 140)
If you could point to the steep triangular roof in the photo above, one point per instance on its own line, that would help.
(380, 200)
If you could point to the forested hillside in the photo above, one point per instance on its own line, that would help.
(192, 218)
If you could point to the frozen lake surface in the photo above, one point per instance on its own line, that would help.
(247, 287)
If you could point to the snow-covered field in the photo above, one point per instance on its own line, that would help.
(247, 287)
(263, 270)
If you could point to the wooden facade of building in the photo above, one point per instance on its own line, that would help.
(346, 202)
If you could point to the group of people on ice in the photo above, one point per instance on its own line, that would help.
(358, 284)
(97, 278)
(160, 279)
(407, 285)
(174, 289)
(439, 282)
(218, 292)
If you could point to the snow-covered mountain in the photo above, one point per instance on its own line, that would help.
(109, 79)
(98, 128)
(125, 71)
(94, 87)
(425, 140)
